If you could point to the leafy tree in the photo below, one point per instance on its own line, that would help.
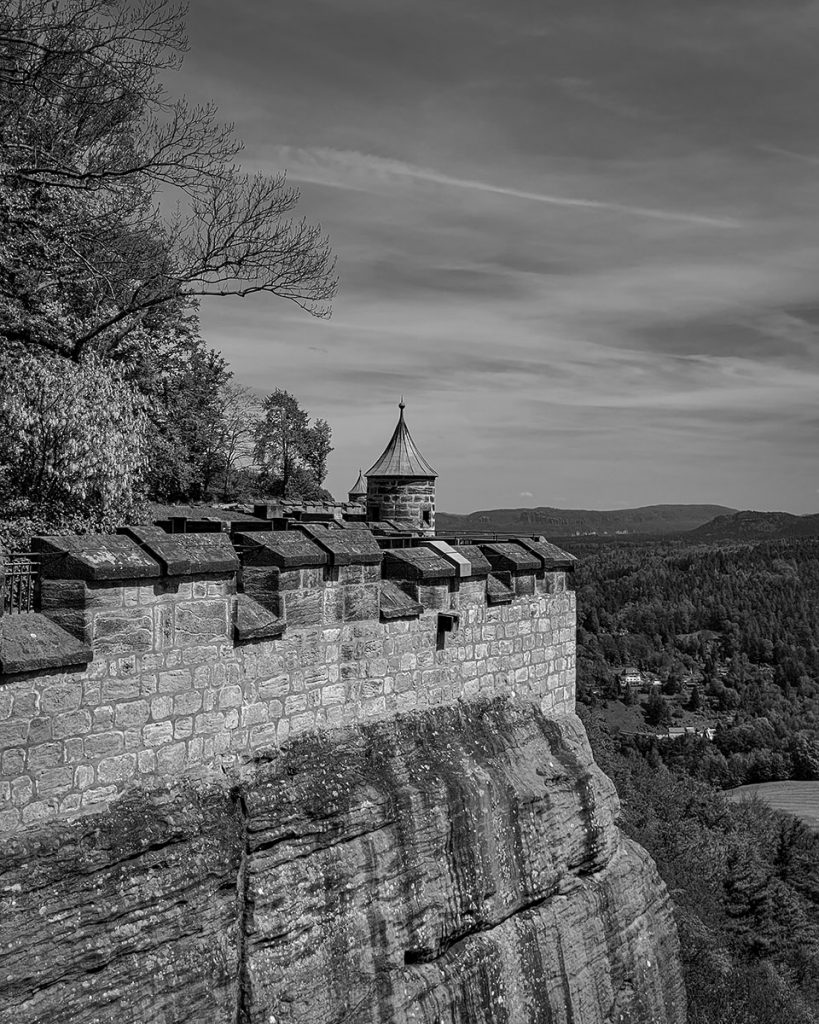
(72, 439)
(694, 701)
(657, 711)
(115, 199)
(292, 454)
(235, 432)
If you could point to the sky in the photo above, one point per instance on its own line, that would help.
(580, 239)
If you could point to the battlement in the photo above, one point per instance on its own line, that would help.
(154, 654)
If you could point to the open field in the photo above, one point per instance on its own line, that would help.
(799, 798)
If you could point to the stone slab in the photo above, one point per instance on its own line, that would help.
(94, 556)
(187, 554)
(30, 642)
(286, 549)
(550, 554)
(254, 622)
(476, 558)
(416, 564)
(510, 556)
(395, 604)
(498, 590)
(461, 564)
(345, 547)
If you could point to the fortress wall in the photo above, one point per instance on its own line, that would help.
(172, 688)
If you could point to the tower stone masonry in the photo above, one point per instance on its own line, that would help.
(401, 483)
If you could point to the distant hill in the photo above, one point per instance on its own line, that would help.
(757, 526)
(557, 522)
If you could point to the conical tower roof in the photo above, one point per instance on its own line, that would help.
(401, 457)
(359, 488)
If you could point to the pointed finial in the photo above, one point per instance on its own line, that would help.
(401, 404)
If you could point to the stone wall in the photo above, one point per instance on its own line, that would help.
(407, 499)
(185, 676)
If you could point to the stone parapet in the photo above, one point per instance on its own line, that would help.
(200, 671)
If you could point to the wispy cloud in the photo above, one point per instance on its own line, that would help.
(353, 170)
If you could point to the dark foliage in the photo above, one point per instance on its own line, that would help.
(733, 632)
(745, 885)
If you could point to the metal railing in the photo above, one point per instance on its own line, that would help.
(19, 579)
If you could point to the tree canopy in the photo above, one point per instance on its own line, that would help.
(118, 201)
(121, 205)
(291, 453)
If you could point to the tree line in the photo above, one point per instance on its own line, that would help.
(120, 207)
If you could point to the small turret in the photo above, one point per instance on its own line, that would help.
(359, 490)
(401, 483)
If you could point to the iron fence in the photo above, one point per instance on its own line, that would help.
(19, 575)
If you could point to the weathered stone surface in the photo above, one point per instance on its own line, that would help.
(254, 622)
(550, 554)
(346, 547)
(30, 642)
(499, 589)
(416, 564)
(287, 549)
(457, 865)
(460, 864)
(396, 604)
(94, 556)
(510, 557)
(129, 916)
(475, 557)
(186, 554)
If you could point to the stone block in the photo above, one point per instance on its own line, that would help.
(434, 597)
(51, 782)
(177, 681)
(161, 707)
(201, 622)
(187, 703)
(98, 796)
(209, 722)
(40, 810)
(128, 631)
(43, 755)
(13, 762)
(230, 697)
(183, 728)
(303, 608)
(132, 714)
(55, 700)
(72, 723)
(157, 733)
(22, 791)
(187, 554)
(117, 769)
(9, 820)
(170, 761)
(333, 602)
(13, 733)
(93, 556)
(104, 744)
(253, 621)
(361, 602)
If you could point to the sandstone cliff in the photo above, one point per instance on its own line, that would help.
(460, 864)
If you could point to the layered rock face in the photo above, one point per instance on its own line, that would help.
(459, 864)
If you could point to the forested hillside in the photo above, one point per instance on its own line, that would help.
(732, 635)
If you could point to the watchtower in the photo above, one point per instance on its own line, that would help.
(401, 484)
(358, 494)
